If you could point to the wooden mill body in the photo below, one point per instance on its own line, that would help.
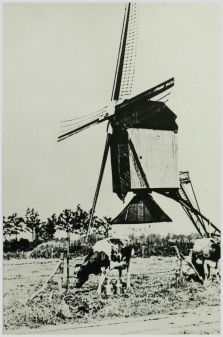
(144, 149)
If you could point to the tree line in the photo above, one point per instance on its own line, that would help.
(43, 231)
(77, 222)
(155, 244)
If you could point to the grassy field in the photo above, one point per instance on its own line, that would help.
(154, 290)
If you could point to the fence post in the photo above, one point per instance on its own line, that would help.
(60, 281)
(62, 262)
(65, 270)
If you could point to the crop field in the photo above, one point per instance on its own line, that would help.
(153, 291)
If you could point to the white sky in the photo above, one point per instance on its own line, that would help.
(58, 63)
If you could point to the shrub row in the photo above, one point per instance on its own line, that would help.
(168, 250)
(25, 248)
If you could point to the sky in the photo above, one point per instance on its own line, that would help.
(59, 62)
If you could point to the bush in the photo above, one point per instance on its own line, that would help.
(48, 249)
(81, 248)
(14, 245)
(157, 248)
(77, 247)
(16, 249)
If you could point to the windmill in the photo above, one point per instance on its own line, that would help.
(143, 143)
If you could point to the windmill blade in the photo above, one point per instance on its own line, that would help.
(156, 91)
(123, 77)
(71, 126)
(125, 67)
(76, 130)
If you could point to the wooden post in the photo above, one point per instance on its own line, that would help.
(33, 234)
(68, 273)
(59, 282)
(66, 270)
(62, 260)
(68, 243)
(143, 250)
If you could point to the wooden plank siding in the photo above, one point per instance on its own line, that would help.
(157, 152)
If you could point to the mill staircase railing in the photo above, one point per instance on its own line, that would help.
(203, 225)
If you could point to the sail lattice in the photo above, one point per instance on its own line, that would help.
(130, 53)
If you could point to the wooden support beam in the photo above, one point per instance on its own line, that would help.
(192, 220)
(196, 212)
(104, 159)
(200, 220)
(196, 202)
(175, 196)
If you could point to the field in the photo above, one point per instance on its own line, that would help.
(154, 291)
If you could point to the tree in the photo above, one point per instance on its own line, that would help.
(81, 221)
(174, 237)
(168, 236)
(33, 223)
(181, 238)
(77, 222)
(48, 228)
(66, 221)
(107, 225)
(13, 225)
(142, 238)
(150, 239)
(100, 226)
(96, 226)
(7, 227)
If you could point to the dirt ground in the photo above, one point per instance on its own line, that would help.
(154, 291)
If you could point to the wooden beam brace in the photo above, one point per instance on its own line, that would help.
(191, 219)
(104, 159)
(189, 202)
(196, 212)
(175, 196)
